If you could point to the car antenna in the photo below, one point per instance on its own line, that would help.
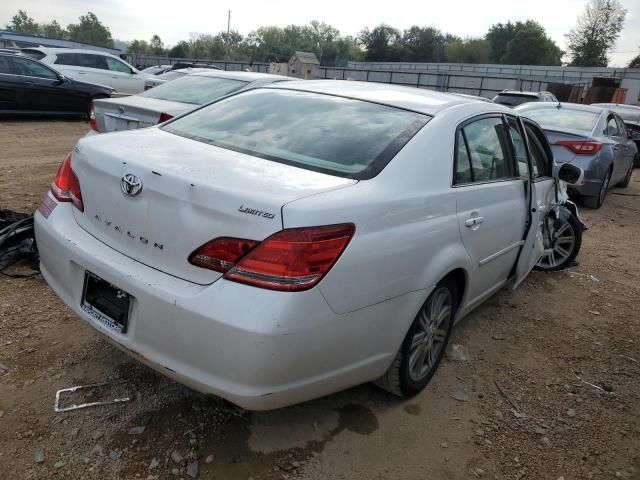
(559, 105)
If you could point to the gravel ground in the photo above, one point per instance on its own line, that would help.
(550, 389)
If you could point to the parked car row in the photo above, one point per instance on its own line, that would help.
(300, 237)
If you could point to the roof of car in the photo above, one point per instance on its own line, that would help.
(612, 106)
(409, 98)
(233, 75)
(55, 50)
(561, 105)
(518, 92)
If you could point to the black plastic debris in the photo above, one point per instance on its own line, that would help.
(17, 243)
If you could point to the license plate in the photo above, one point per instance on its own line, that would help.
(105, 303)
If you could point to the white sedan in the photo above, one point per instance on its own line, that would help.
(294, 240)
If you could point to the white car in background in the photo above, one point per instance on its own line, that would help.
(93, 66)
(290, 241)
(196, 87)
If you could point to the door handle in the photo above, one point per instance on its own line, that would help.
(616, 147)
(114, 76)
(82, 73)
(470, 222)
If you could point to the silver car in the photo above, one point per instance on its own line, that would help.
(173, 98)
(592, 138)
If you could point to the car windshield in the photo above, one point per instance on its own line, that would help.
(513, 99)
(194, 89)
(562, 118)
(340, 136)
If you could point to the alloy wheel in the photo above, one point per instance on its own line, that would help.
(430, 335)
(560, 246)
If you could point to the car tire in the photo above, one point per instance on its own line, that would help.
(409, 372)
(596, 201)
(627, 178)
(565, 247)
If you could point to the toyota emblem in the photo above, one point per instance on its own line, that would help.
(131, 185)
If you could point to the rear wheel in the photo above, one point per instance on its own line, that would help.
(596, 201)
(425, 343)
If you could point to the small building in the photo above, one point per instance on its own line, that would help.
(304, 65)
(10, 39)
(279, 68)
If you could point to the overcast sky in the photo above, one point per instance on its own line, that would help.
(174, 20)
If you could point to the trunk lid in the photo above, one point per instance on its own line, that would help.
(191, 193)
(132, 112)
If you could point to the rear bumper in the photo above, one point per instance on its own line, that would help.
(257, 348)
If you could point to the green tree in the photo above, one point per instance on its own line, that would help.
(522, 43)
(469, 50)
(321, 35)
(23, 23)
(53, 30)
(138, 47)
(382, 44)
(635, 62)
(423, 44)
(596, 31)
(90, 30)
(179, 50)
(156, 47)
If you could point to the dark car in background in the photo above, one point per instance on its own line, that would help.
(592, 138)
(30, 87)
(513, 98)
(630, 114)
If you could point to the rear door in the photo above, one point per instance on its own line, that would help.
(13, 95)
(92, 68)
(626, 145)
(618, 145)
(491, 202)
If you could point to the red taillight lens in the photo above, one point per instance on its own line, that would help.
(66, 187)
(92, 117)
(222, 253)
(164, 117)
(294, 259)
(580, 147)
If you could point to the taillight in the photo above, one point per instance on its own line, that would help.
(222, 253)
(580, 147)
(92, 117)
(290, 260)
(65, 186)
(164, 117)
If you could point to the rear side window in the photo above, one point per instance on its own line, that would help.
(486, 142)
(65, 59)
(550, 118)
(5, 67)
(194, 89)
(335, 135)
(91, 61)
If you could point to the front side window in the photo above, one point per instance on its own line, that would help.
(612, 127)
(23, 66)
(539, 159)
(194, 89)
(486, 142)
(520, 151)
(334, 135)
(621, 127)
(116, 65)
(88, 60)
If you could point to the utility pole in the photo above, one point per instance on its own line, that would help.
(228, 31)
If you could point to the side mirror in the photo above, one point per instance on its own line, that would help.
(571, 174)
(61, 79)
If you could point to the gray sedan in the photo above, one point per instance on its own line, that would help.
(173, 98)
(592, 138)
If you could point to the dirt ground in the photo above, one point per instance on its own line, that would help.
(551, 389)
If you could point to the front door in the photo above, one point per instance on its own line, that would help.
(123, 79)
(492, 203)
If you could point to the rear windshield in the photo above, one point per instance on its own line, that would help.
(550, 118)
(194, 89)
(335, 135)
(514, 99)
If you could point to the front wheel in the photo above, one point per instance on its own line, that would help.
(562, 238)
(425, 343)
